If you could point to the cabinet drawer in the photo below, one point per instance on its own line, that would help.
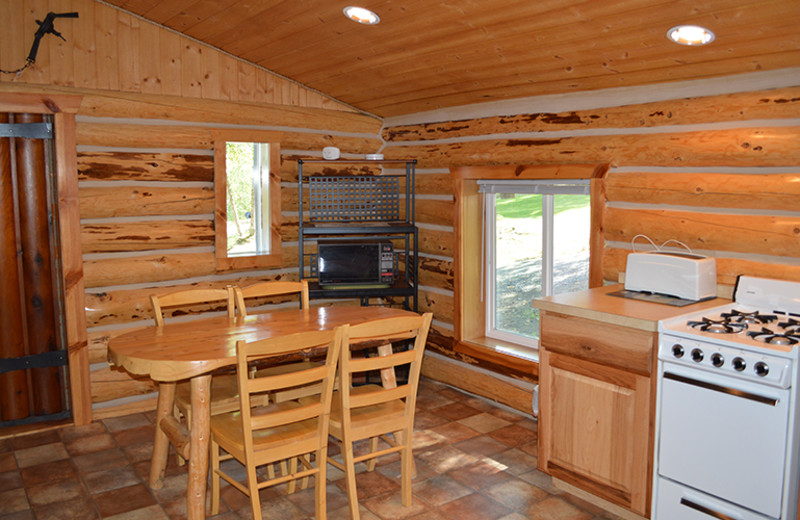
(604, 343)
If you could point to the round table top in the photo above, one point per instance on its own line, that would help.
(181, 350)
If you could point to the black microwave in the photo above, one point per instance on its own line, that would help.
(359, 264)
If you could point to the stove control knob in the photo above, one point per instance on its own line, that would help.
(739, 364)
(697, 355)
(761, 368)
(677, 350)
(717, 359)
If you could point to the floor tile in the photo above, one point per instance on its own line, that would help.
(53, 492)
(455, 411)
(123, 500)
(446, 458)
(453, 432)
(482, 474)
(114, 478)
(370, 484)
(13, 501)
(390, 506)
(89, 444)
(35, 455)
(516, 494)
(474, 507)
(514, 435)
(80, 508)
(484, 422)
(440, 490)
(99, 460)
(48, 472)
(481, 446)
(555, 508)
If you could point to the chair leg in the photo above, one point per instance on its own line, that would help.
(350, 475)
(214, 462)
(320, 484)
(252, 486)
(373, 447)
(407, 467)
(291, 486)
(306, 465)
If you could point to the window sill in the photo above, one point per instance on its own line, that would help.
(502, 356)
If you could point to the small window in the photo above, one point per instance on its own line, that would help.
(536, 244)
(247, 188)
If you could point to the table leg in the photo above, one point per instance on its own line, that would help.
(199, 434)
(158, 464)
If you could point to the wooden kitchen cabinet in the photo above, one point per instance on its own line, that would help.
(597, 408)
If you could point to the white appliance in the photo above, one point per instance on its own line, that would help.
(683, 275)
(726, 414)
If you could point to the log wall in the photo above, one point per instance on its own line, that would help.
(720, 173)
(146, 201)
(151, 103)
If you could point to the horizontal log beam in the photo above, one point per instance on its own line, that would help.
(747, 106)
(480, 383)
(147, 269)
(768, 146)
(161, 167)
(759, 234)
(198, 137)
(137, 201)
(716, 190)
(146, 235)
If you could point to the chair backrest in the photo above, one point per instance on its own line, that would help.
(273, 288)
(251, 389)
(382, 332)
(191, 297)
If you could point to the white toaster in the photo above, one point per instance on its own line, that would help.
(683, 275)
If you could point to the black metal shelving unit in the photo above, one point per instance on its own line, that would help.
(359, 207)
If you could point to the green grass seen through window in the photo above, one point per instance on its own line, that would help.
(530, 205)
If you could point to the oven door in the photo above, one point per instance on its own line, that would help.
(723, 436)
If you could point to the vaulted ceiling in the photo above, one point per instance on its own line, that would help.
(430, 54)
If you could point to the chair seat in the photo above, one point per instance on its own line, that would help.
(365, 416)
(224, 394)
(227, 429)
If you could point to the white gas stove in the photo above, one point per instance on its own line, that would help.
(726, 418)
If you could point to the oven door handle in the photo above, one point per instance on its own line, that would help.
(723, 389)
(707, 510)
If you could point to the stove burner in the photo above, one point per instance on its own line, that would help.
(750, 318)
(717, 326)
(774, 338)
(791, 325)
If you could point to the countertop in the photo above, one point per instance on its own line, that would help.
(598, 304)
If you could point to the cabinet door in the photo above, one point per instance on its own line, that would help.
(596, 429)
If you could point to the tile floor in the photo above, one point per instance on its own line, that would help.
(474, 461)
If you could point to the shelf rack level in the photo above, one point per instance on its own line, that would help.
(341, 206)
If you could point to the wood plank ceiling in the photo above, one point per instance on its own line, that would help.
(428, 54)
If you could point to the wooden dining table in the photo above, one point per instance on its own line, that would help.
(195, 349)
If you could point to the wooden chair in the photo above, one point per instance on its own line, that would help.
(276, 288)
(256, 436)
(372, 411)
(224, 392)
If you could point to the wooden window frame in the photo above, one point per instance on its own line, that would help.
(470, 313)
(274, 257)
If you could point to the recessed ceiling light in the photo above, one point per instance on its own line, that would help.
(361, 15)
(690, 35)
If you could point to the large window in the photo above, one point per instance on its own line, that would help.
(536, 243)
(247, 187)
